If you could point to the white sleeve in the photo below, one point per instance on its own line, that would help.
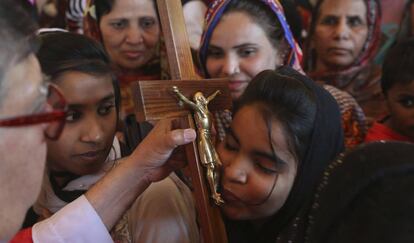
(76, 222)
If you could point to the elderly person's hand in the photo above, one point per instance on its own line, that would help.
(114, 193)
(154, 151)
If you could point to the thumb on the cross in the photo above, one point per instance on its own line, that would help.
(180, 137)
(153, 153)
(157, 147)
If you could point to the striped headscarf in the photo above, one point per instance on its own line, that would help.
(217, 9)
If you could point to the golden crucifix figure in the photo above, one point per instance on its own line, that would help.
(204, 123)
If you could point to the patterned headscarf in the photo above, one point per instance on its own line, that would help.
(155, 69)
(216, 11)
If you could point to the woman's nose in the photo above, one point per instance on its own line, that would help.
(236, 170)
(92, 131)
(134, 35)
(342, 30)
(230, 65)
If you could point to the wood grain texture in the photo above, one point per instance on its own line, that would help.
(156, 101)
(177, 42)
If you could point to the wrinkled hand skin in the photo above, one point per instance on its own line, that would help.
(156, 149)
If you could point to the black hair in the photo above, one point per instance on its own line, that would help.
(381, 213)
(364, 196)
(30, 8)
(263, 16)
(17, 31)
(294, 19)
(103, 7)
(62, 51)
(398, 65)
(285, 98)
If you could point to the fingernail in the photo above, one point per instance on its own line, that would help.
(189, 134)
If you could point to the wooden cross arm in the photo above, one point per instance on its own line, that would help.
(154, 100)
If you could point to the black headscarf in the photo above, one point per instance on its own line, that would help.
(366, 196)
(326, 142)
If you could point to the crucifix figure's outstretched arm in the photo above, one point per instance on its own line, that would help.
(211, 97)
(184, 99)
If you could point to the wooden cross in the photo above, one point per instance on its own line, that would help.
(154, 100)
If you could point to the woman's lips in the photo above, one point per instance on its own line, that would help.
(339, 51)
(132, 54)
(229, 197)
(91, 155)
(237, 85)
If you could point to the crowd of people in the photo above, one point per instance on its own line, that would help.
(318, 146)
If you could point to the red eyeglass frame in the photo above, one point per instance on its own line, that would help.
(57, 115)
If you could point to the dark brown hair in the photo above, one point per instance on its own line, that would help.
(263, 16)
(289, 101)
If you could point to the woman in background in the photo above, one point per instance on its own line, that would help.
(131, 35)
(342, 42)
(242, 38)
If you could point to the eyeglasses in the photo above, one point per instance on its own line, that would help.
(54, 113)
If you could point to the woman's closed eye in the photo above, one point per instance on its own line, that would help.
(266, 162)
(215, 53)
(247, 51)
(267, 167)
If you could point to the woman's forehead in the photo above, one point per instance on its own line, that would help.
(266, 135)
(343, 7)
(236, 28)
(256, 114)
(132, 8)
(80, 87)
